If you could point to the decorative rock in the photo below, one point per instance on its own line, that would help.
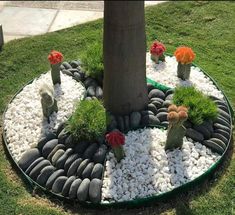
(56, 156)
(126, 123)
(28, 157)
(150, 87)
(69, 161)
(223, 132)
(99, 92)
(166, 103)
(77, 76)
(224, 114)
(36, 170)
(219, 142)
(90, 151)
(156, 93)
(99, 155)
(208, 125)
(45, 139)
(69, 142)
(113, 123)
(60, 128)
(203, 130)
(48, 147)
(149, 120)
(67, 185)
(75, 63)
(91, 91)
(220, 102)
(220, 126)
(157, 99)
(62, 67)
(135, 119)
(222, 107)
(53, 177)
(221, 120)
(89, 81)
(74, 166)
(157, 104)
(61, 161)
(95, 190)
(152, 108)
(74, 188)
(66, 65)
(195, 135)
(120, 123)
(45, 173)
(57, 147)
(82, 166)
(170, 91)
(67, 72)
(169, 97)
(83, 190)
(59, 184)
(97, 171)
(165, 123)
(88, 98)
(188, 124)
(32, 165)
(87, 171)
(62, 136)
(147, 112)
(162, 116)
(81, 147)
(220, 137)
(214, 146)
(162, 110)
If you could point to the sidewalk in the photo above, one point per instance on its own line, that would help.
(28, 18)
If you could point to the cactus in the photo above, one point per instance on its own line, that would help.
(176, 131)
(183, 71)
(156, 50)
(55, 73)
(48, 102)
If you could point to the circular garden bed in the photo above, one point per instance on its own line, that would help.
(50, 157)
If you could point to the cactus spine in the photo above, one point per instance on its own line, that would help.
(55, 73)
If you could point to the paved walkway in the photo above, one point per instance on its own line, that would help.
(28, 18)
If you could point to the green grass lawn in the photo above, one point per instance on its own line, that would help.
(208, 27)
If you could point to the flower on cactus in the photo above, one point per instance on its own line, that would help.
(184, 55)
(157, 48)
(55, 57)
(115, 139)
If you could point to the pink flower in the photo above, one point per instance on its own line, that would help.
(157, 48)
(115, 139)
(55, 57)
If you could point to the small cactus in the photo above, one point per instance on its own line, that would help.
(176, 131)
(49, 103)
(156, 50)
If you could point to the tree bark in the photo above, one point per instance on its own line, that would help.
(124, 46)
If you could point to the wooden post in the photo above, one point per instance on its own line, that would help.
(1, 38)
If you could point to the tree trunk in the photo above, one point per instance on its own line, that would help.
(125, 88)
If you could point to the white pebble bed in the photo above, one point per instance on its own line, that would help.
(148, 169)
(24, 122)
(166, 74)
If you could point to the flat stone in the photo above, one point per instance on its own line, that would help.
(77, 76)
(149, 120)
(82, 166)
(87, 171)
(220, 102)
(152, 108)
(120, 123)
(59, 184)
(203, 130)
(74, 188)
(62, 136)
(67, 72)
(48, 147)
(45, 173)
(126, 123)
(213, 146)
(32, 165)
(36, 170)
(219, 142)
(209, 125)
(73, 70)
(147, 112)
(44, 140)
(221, 120)
(135, 119)
(194, 135)
(83, 190)
(95, 190)
(162, 110)
(188, 124)
(66, 65)
(74, 166)
(69, 161)
(69, 142)
(220, 126)
(75, 63)
(28, 157)
(224, 114)
(97, 171)
(89, 82)
(223, 132)
(60, 128)
(53, 177)
(165, 123)
(91, 91)
(57, 147)
(170, 91)
(167, 103)
(56, 156)
(169, 97)
(81, 147)
(99, 92)
(162, 116)
(220, 137)
(100, 154)
(156, 93)
(67, 185)
(157, 104)
(61, 161)
(222, 107)
(90, 151)
(157, 99)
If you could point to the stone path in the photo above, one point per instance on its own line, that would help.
(28, 18)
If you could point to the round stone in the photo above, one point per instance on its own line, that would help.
(61, 161)
(169, 97)
(62, 136)
(152, 108)
(67, 185)
(91, 91)
(48, 147)
(89, 82)
(162, 110)
(83, 190)
(221, 120)
(90, 151)
(45, 173)
(99, 155)
(81, 147)
(60, 128)
(156, 93)
(167, 103)
(53, 177)
(87, 171)
(69, 142)
(56, 156)
(208, 125)
(45, 139)
(219, 142)
(162, 116)
(220, 137)
(195, 135)
(157, 104)
(135, 118)
(120, 123)
(82, 166)
(95, 190)
(156, 99)
(59, 184)
(99, 92)
(69, 161)
(165, 123)
(77, 76)
(224, 114)
(75, 63)
(66, 65)
(214, 146)
(149, 120)
(74, 188)
(222, 107)
(170, 91)
(36, 170)
(67, 72)
(74, 166)
(32, 165)
(28, 157)
(203, 130)
(223, 132)
(220, 126)
(57, 147)
(97, 171)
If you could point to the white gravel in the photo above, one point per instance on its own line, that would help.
(166, 73)
(148, 169)
(24, 121)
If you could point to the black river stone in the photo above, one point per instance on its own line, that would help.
(97, 171)
(53, 177)
(156, 93)
(48, 147)
(69, 161)
(90, 151)
(61, 161)
(45, 173)
(152, 108)
(81, 147)
(99, 155)
(56, 156)
(203, 130)
(57, 147)
(73, 168)
(67, 185)
(82, 193)
(58, 184)
(36, 170)
(32, 165)
(44, 140)
(95, 190)
(162, 116)
(74, 188)
(195, 135)
(82, 166)
(62, 136)
(87, 171)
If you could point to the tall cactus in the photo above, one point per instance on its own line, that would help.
(176, 131)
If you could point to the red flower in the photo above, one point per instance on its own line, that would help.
(157, 49)
(115, 139)
(55, 57)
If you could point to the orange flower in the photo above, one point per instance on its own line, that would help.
(184, 55)
(172, 117)
(183, 115)
(55, 57)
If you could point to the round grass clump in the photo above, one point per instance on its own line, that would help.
(201, 107)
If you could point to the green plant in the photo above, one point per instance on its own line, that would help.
(88, 122)
(92, 60)
(201, 107)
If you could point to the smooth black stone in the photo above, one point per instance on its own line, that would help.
(53, 177)
(82, 166)
(69, 161)
(44, 140)
(56, 156)
(45, 173)
(74, 188)
(162, 110)
(209, 125)
(83, 190)
(91, 91)
(36, 170)
(222, 107)
(220, 102)
(169, 97)
(100, 154)
(59, 184)
(165, 123)
(73, 70)
(28, 157)
(99, 92)
(135, 119)
(32, 165)
(223, 132)
(156, 93)
(220, 137)
(90, 151)
(69, 142)
(150, 87)
(74, 166)
(101, 139)
(66, 65)
(219, 142)
(60, 128)
(57, 147)
(61, 161)
(95, 190)
(97, 171)
(88, 98)
(67, 72)
(222, 121)
(170, 91)
(146, 112)
(162, 116)
(157, 104)
(77, 76)
(194, 135)
(48, 147)
(188, 124)
(213, 146)
(167, 103)
(152, 108)
(120, 123)
(82, 74)
(220, 126)
(203, 130)
(87, 171)
(149, 120)
(62, 136)
(75, 63)
(62, 67)
(214, 98)
(224, 114)
(89, 82)
(113, 123)
(81, 147)
(67, 185)
(157, 99)
(126, 123)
